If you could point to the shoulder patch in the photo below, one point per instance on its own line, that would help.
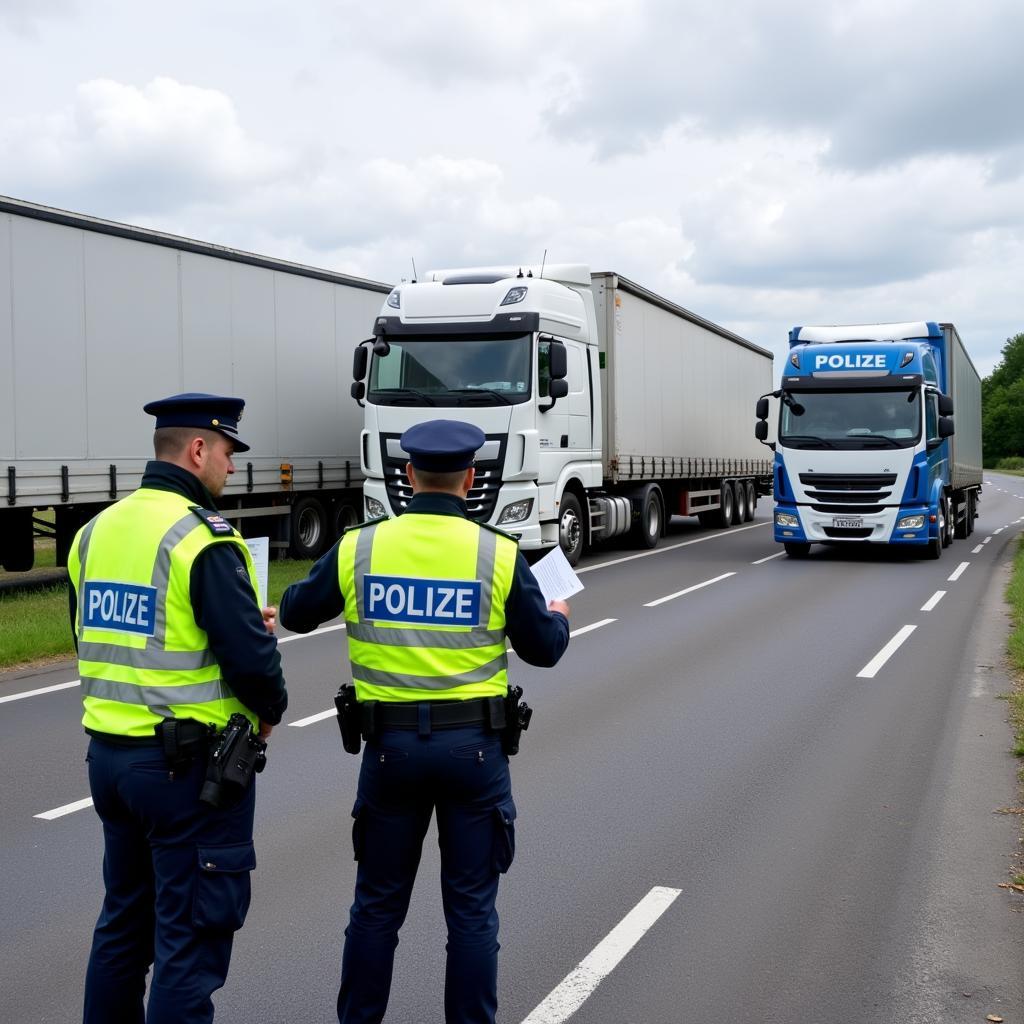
(500, 533)
(369, 522)
(216, 523)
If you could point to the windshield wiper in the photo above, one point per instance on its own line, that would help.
(400, 393)
(813, 438)
(891, 441)
(481, 391)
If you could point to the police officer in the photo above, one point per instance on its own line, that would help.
(171, 642)
(429, 599)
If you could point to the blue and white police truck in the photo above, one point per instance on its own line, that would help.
(879, 437)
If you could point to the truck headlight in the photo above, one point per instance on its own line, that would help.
(786, 519)
(910, 523)
(516, 512)
(375, 509)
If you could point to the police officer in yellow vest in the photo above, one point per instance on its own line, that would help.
(430, 599)
(171, 643)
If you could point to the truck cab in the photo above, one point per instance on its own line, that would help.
(504, 348)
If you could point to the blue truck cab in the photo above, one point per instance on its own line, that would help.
(879, 437)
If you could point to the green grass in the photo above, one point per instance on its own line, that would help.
(34, 627)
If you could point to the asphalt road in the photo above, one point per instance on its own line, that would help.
(731, 805)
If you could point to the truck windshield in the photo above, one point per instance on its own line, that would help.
(453, 370)
(850, 419)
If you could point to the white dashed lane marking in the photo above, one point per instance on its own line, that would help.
(564, 1000)
(872, 668)
(761, 561)
(59, 812)
(688, 590)
(958, 572)
(933, 600)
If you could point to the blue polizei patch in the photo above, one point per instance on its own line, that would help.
(119, 607)
(414, 601)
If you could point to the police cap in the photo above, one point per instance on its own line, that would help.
(442, 446)
(208, 412)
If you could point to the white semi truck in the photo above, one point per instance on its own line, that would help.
(97, 318)
(606, 408)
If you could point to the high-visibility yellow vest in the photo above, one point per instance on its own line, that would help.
(142, 657)
(425, 608)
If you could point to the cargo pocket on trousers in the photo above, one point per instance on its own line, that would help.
(358, 829)
(504, 836)
(223, 886)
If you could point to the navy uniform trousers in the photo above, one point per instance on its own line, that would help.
(177, 888)
(406, 775)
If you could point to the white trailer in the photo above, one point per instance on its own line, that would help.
(606, 408)
(96, 318)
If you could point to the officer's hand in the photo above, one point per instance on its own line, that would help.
(559, 606)
(265, 729)
(270, 618)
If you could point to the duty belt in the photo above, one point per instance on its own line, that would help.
(429, 715)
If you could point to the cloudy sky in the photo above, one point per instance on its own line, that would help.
(764, 165)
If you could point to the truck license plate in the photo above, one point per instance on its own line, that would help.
(847, 522)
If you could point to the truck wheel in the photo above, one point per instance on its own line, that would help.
(345, 517)
(961, 514)
(946, 523)
(797, 548)
(971, 512)
(570, 528)
(740, 502)
(308, 528)
(751, 499)
(647, 529)
(934, 549)
(727, 509)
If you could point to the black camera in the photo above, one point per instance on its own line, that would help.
(236, 755)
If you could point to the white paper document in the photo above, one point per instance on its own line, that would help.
(555, 577)
(259, 548)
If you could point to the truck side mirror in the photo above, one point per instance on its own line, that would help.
(761, 429)
(359, 360)
(559, 365)
(761, 411)
(358, 390)
(558, 388)
(946, 428)
(945, 406)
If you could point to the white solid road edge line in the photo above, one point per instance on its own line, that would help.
(43, 689)
(688, 590)
(330, 712)
(59, 812)
(933, 600)
(565, 999)
(957, 572)
(870, 670)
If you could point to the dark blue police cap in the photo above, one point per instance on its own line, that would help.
(210, 412)
(442, 446)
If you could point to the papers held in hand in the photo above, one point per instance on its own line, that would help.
(555, 577)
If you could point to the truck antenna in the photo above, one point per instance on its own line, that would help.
(542, 262)
(414, 274)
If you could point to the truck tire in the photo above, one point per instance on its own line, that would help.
(345, 517)
(961, 514)
(725, 516)
(934, 549)
(751, 499)
(739, 514)
(797, 548)
(946, 523)
(17, 540)
(308, 528)
(647, 530)
(570, 527)
(972, 511)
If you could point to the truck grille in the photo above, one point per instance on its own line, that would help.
(481, 499)
(856, 493)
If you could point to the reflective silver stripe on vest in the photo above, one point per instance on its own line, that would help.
(364, 547)
(162, 576)
(466, 640)
(83, 550)
(140, 658)
(476, 675)
(486, 552)
(132, 693)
